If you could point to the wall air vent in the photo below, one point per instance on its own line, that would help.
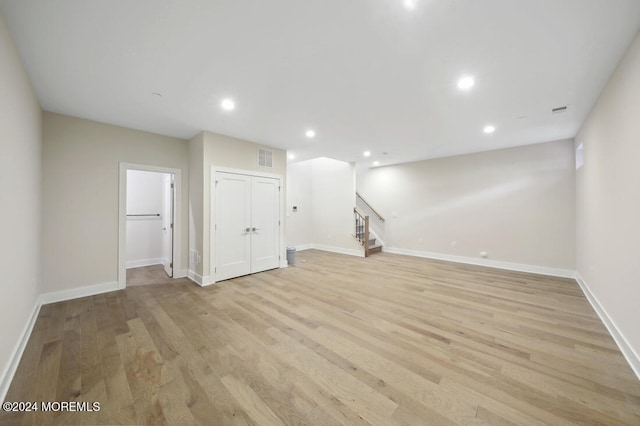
(558, 110)
(265, 158)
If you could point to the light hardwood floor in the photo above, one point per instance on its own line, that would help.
(147, 275)
(334, 340)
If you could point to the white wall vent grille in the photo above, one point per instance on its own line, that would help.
(265, 158)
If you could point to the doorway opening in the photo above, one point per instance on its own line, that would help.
(149, 233)
(150, 197)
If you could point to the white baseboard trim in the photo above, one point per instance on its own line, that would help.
(75, 293)
(180, 273)
(542, 270)
(202, 281)
(303, 247)
(332, 249)
(145, 262)
(194, 277)
(16, 355)
(623, 344)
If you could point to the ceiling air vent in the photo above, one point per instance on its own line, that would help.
(265, 158)
(558, 110)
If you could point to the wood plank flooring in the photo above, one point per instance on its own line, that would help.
(333, 340)
(147, 275)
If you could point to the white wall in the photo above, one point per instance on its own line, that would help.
(20, 208)
(145, 195)
(324, 191)
(81, 166)
(334, 197)
(608, 204)
(516, 204)
(299, 225)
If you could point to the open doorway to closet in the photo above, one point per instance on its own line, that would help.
(150, 224)
(149, 235)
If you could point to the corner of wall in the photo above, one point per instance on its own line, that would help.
(623, 344)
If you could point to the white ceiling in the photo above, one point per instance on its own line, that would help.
(365, 74)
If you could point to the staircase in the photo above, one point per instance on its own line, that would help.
(363, 234)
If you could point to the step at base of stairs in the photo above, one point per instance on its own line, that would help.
(375, 249)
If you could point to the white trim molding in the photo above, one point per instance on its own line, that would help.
(332, 249)
(202, 281)
(16, 355)
(180, 273)
(145, 262)
(122, 216)
(519, 267)
(623, 344)
(75, 293)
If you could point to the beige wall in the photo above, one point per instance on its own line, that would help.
(80, 195)
(324, 191)
(608, 200)
(20, 150)
(196, 211)
(225, 152)
(516, 204)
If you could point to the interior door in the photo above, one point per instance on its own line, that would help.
(233, 225)
(265, 217)
(168, 202)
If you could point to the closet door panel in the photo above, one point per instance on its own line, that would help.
(233, 225)
(265, 217)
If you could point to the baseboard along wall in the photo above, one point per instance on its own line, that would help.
(519, 267)
(627, 350)
(145, 262)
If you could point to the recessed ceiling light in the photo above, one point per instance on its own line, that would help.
(366, 153)
(466, 82)
(291, 157)
(228, 104)
(489, 129)
(310, 133)
(376, 163)
(410, 4)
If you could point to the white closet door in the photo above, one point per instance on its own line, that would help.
(233, 225)
(265, 215)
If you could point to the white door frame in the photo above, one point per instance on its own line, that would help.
(212, 214)
(178, 271)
